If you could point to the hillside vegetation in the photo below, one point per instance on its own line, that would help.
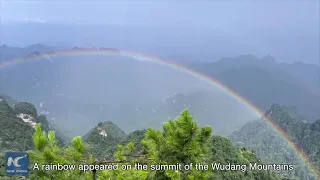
(180, 141)
(16, 131)
(270, 147)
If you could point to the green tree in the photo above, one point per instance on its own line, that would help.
(25, 108)
(47, 152)
(123, 158)
(183, 142)
(180, 142)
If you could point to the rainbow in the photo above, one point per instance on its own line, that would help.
(179, 67)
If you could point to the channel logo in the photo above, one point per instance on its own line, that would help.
(17, 163)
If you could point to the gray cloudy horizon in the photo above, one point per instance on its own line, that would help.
(288, 30)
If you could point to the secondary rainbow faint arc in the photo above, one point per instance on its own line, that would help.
(171, 64)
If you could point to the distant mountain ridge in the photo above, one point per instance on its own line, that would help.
(265, 81)
(263, 88)
(70, 91)
(8, 53)
(298, 72)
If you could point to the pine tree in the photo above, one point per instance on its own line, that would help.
(182, 142)
(124, 160)
(47, 152)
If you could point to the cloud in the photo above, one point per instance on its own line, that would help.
(34, 20)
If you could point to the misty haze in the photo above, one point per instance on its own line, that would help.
(108, 71)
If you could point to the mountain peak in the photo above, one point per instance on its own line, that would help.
(76, 48)
(37, 45)
(103, 127)
(34, 53)
(107, 129)
(104, 136)
(4, 46)
(269, 59)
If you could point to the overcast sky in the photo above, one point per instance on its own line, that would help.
(261, 14)
(288, 29)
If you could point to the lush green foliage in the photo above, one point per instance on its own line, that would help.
(224, 152)
(135, 137)
(47, 151)
(11, 138)
(122, 158)
(25, 108)
(15, 134)
(180, 141)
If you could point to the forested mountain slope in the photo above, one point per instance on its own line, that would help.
(169, 145)
(266, 142)
(104, 138)
(181, 141)
(17, 127)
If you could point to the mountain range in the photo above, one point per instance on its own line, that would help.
(56, 87)
(265, 81)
